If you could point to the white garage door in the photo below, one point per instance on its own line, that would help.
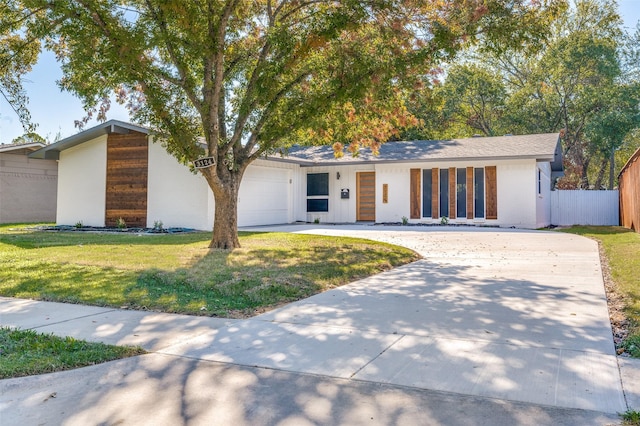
(264, 197)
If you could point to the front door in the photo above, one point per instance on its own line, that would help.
(366, 196)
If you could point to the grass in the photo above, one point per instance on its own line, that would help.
(25, 353)
(622, 248)
(631, 418)
(178, 273)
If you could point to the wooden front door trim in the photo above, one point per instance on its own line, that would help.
(366, 196)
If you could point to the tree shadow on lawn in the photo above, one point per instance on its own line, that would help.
(234, 284)
(246, 282)
(42, 239)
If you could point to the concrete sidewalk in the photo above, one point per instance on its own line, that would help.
(491, 327)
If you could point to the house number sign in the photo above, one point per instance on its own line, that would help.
(203, 163)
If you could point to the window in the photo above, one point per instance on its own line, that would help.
(478, 192)
(444, 192)
(539, 182)
(426, 192)
(461, 193)
(317, 205)
(317, 184)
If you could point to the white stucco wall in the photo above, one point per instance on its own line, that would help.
(175, 196)
(516, 182)
(340, 210)
(517, 194)
(82, 176)
(180, 198)
(543, 199)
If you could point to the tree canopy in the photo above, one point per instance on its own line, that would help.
(18, 53)
(582, 80)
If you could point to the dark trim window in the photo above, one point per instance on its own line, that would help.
(539, 181)
(426, 192)
(461, 193)
(317, 205)
(478, 192)
(317, 184)
(317, 189)
(444, 192)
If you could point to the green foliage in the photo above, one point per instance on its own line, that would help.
(473, 98)
(26, 352)
(30, 137)
(177, 273)
(18, 53)
(631, 418)
(582, 80)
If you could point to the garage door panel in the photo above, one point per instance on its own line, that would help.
(264, 197)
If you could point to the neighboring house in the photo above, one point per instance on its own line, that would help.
(629, 186)
(27, 187)
(113, 171)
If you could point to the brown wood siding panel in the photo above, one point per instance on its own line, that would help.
(127, 172)
(469, 192)
(452, 192)
(491, 184)
(435, 183)
(629, 187)
(415, 194)
(366, 196)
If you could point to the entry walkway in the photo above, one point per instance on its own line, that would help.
(491, 327)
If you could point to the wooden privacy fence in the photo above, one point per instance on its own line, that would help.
(600, 208)
(629, 183)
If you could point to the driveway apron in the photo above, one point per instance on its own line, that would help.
(508, 314)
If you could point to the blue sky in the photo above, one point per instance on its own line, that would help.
(55, 111)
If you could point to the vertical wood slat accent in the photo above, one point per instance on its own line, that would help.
(414, 208)
(366, 196)
(452, 192)
(127, 171)
(469, 192)
(491, 184)
(385, 193)
(629, 187)
(435, 183)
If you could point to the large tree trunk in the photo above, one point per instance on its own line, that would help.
(225, 222)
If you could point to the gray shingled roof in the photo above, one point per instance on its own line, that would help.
(543, 147)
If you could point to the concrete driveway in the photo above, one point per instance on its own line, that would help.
(491, 327)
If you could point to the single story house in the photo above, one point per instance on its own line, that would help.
(27, 186)
(115, 170)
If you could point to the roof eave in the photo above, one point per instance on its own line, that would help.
(52, 152)
(9, 148)
(311, 163)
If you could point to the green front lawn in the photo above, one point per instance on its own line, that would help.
(178, 273)
(25, 353)
(622, 248)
